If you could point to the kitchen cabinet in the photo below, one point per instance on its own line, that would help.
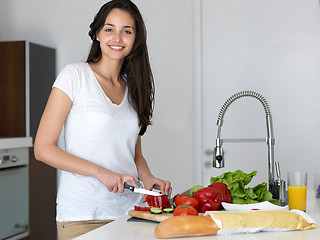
(27, 72)
(42, 200)
(12, 89)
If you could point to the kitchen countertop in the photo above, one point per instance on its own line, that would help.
(121, 229)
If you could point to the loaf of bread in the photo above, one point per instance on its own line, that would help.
(186, 226)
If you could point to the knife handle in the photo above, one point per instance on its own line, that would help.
(127, 186)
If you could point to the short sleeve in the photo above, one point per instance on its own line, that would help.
(68, 81)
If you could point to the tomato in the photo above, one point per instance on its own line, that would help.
(158, 201)
(138, 208)
(192, 202)
(185, 210)
(178, 198)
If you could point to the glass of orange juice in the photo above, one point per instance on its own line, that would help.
(297, 190)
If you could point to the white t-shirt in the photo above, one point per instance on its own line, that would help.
(101, 132)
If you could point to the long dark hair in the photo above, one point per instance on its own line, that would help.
(136, 66)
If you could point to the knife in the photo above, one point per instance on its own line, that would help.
(141, 190)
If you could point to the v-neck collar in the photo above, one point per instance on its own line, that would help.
(103, 92)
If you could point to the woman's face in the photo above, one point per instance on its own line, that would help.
(117, 35)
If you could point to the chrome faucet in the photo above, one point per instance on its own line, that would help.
(218, 155)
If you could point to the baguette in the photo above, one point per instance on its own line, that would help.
(186, 226)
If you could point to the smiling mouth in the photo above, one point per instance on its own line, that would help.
(117, 48)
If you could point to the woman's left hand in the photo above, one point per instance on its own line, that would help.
(156, 183)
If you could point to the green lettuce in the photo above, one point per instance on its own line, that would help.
(236, 182)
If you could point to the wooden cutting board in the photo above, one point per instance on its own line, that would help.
(152, 217)
(149, 216)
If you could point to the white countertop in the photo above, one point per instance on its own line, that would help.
(121, 229)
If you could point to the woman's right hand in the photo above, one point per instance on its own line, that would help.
(114, 182)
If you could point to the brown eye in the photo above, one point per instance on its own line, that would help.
(127, 32)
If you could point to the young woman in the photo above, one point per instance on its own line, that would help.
(105, 105)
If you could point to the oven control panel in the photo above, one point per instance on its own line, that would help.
(14, 157)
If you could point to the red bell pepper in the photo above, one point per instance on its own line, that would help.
(209, 199)
(158, 201)
(223, 191)
(139, 208)
(210, 206)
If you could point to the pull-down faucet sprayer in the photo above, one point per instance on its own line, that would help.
(218, 155)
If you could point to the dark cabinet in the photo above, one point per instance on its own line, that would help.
(27, 72)
(42, 200)
(12, 89)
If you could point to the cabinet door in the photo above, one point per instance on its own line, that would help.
(12, 89)
(42, 200)
(42, 67)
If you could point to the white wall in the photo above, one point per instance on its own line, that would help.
(64, 25)
(272, 47)
(169, 144)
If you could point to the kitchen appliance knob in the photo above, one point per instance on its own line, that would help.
(14, 159)
(21, 226)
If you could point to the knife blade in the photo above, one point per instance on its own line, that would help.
(141, 190)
